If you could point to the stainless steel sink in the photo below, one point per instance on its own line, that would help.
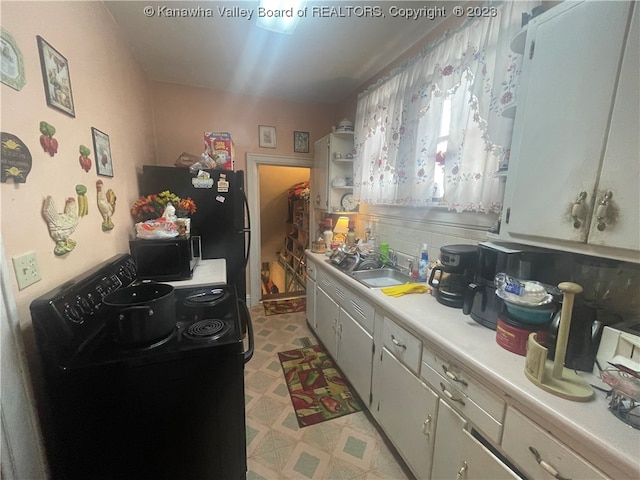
(382, 277)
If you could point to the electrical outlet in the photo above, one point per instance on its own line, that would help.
(27, 270)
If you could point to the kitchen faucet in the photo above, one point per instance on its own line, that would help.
(392, 262)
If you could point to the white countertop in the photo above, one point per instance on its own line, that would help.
(587, 427)
(207, 272)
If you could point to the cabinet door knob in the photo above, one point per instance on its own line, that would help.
(463, 470)
(546, 466)
(602, 210)
(578, 210)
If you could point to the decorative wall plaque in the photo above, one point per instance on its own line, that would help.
(15, 159)
(12, 65)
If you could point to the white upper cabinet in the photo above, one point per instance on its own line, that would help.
(576, 132)
(333, 173)
(620, 173)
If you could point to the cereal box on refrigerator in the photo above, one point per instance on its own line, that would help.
(219, 148)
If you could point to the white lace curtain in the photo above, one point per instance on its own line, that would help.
(452, 94)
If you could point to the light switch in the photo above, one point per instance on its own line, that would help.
(27, 270)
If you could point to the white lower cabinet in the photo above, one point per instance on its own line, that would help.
(326, 321)
(407, 410)
(445, 421)
(459, 455)
(539, 454)
(348, 343)
(355, 354)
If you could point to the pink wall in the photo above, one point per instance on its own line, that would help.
(182, 114)
(110, 93)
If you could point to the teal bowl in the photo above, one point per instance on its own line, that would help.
(531, 315)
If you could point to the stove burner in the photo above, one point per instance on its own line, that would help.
(208, 297)
(208, 329)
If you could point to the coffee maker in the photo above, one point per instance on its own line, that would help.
(518, 261)
(450, 280)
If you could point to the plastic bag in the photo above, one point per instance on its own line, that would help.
(156, 229)
(206, 163)
(522, 292)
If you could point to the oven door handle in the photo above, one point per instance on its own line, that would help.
(246, 318)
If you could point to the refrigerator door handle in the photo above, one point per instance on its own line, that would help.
(247, 229)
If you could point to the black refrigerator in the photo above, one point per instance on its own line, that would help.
(222, 213)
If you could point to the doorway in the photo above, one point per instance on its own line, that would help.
(271, 167)
(284, 220)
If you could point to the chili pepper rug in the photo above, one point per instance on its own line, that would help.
(317, 388)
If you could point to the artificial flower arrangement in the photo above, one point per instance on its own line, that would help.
(153, 206)
(300, 190)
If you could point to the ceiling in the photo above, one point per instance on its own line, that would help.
(324, 60)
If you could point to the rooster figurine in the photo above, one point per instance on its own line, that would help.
(61, 225)
(106, 205)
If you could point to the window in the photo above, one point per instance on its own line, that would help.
(433, 133)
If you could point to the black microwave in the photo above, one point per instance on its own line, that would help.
(166, 260)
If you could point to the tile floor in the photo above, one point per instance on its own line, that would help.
(347, 447)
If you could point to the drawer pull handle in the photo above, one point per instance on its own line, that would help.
(450, 396)
(397, 343)
(426, 426)
(546, 466)
(453, 376)
(462, 470)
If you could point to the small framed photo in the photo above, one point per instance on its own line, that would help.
(102, 151)
(301, 142)
(56, 78)
(267, 136)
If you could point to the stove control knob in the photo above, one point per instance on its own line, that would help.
(84, 305)
(91, 300)
(127, 271)
(72, 314)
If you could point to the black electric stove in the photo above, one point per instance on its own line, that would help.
(170, 409)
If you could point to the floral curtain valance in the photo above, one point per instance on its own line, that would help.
(433, 132)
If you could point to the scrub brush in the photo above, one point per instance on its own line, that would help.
(399, 290)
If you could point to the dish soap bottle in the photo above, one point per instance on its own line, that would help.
(423, 265)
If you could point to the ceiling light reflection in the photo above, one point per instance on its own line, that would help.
(280, 15)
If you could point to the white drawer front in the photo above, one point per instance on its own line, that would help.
(490, 402)
(404, 345)
(521, 434)
(466, 405)
(326, 282)
(359, 309)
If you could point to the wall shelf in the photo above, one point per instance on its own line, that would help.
(292, 257)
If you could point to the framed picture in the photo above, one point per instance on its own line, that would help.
(267, 136)
(102, 153)
(12, 65)
(55, 75)
(301, 142)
